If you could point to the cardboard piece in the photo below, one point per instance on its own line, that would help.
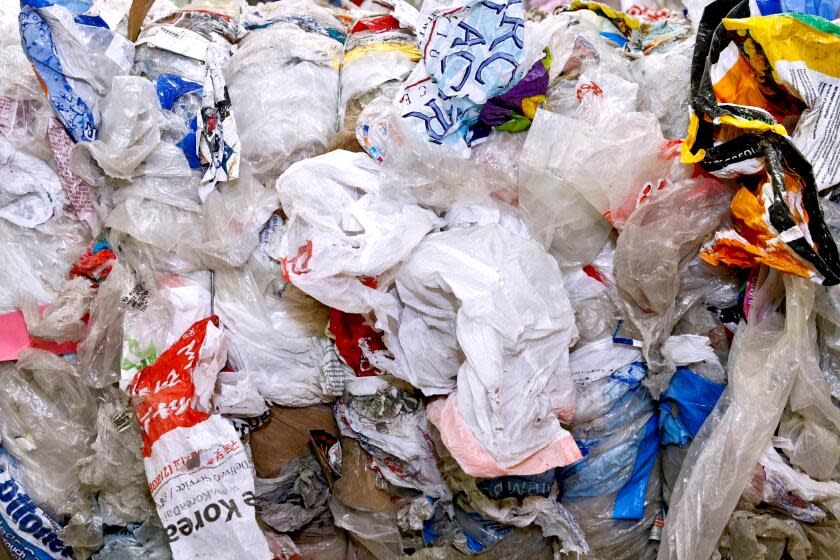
(286, 436)
(136, 15)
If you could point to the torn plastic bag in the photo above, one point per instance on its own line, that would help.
(297, 43)
(765, 359)
(76, 57)
(735, 129)
(628, 152)
(777, 484)
(180, 438)
(341, 229)
(672, 225)
(100, 349)
(391, 426)
(413, 169)
(490, 424)
(64, 320)
(295, 497)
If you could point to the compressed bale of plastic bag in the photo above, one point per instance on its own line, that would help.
(672, 226)
(296, 43)
(614, 491)
(47, 426)
(379, 53)
(766, 356)
(184, 54)
(490, 424)
(176, 44)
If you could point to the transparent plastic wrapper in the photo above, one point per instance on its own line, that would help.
(99, 350)
(115, 466)
(341, 229)
(489, 424)
(557, 214)
(672, 226)
(770, 535)
(296, 43)
(437, 176)
(75, 58)
(130, 129)
(766, 357)
(47, 425)
(666, 97)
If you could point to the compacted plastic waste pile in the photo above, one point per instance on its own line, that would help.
(381, 279)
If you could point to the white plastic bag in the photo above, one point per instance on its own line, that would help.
(490, 305)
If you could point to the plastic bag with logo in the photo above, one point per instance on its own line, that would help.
(172, 400)
(76, 56)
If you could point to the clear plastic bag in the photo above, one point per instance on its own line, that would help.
(672, 226)
(766, 356)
